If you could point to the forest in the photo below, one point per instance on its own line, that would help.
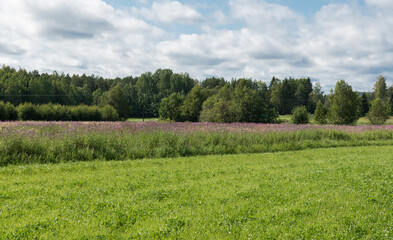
(30, 95)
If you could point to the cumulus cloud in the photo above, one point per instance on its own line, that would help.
(254, 38)
(380, 3)
(171, 12)
(75, 36)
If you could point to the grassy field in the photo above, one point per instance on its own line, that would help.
(142, 120)
(361, 121)
(343, 193)
(56, 142)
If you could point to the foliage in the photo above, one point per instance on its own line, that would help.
(52, 112)
(117, 98)
(170, 108)
(217, 108)
(300, 115)
(320, 113)
(378, 113)
(379, 88)
(344, 106)
(109, 113)
(28, 111)
(364, 105)
(192, 105)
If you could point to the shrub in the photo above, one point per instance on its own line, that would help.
(11, 112)
(300, 115)
(47, 112)
(378, 113)
(109, 113)
(85, 113)
(3, 116)
(320, 113)
(28, 111)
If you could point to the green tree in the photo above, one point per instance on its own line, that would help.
(217, 108)
(344, 106)
(365, 105)
(377, 114)
(320, 113)
(193, 102)
(316, 95)
(170, 107)
(379, 88)
(116, 97)
(300, 115)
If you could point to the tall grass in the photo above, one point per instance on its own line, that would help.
(23, 144)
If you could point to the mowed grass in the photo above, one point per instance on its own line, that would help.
(142, 120)
(361, 121)
(343, 193)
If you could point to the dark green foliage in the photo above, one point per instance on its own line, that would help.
(320, 113)
(300, 115)
(192, 105)
(217, 108)
(365, 105)
(117, 98)
(3, 114)
(85, 113)
(344, 106)
(56, 112)
(378, 113)
(109, 113)
(28, 111)
(244, 101)
(170, 108)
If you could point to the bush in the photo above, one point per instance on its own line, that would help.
(378, 113)
(11, 112)
(85, 113)
(28, 111)
(109, 113)
(3, 116)
(300, 115)
(320, 113)
(47, 112)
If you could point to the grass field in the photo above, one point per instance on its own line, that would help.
(361, 121)
(337, 193)
(142, 120)
(55, 142)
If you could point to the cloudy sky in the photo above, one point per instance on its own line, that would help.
(326, 40)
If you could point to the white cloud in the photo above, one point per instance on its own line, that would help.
(171, 12)
(380, 3)
(75, 36)
(264, 40)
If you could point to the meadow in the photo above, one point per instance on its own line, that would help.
(56, 142)
(335, 193)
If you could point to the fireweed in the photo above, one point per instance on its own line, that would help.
(53, 142)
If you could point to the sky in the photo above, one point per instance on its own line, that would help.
(326, 40)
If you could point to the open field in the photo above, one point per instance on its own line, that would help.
(54, 142)
(360, 122)
(142, 120)
(342, 193)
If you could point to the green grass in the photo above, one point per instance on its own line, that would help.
(361, 121)
(142, 120)
(343, 193)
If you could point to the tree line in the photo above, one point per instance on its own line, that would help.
(178, 97)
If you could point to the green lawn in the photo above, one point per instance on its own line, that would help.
(361, 121)
(141, 120)
(342, 193)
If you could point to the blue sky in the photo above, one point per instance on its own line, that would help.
(326, 40)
